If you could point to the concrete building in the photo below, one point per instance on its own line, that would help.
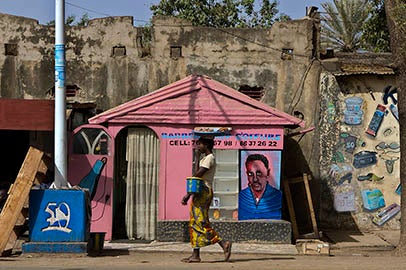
(110, 62)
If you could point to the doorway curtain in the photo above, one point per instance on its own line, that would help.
(142, 183)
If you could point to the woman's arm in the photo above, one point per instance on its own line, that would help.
(200, 172)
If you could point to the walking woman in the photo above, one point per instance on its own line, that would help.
(201, 232)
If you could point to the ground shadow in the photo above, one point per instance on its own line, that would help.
(235, 260)
(108, 253)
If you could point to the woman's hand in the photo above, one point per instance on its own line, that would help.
(185, 199)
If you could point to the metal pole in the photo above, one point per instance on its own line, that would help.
(60, 134)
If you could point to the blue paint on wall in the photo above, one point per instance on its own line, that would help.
(59, 216)
(50, 247)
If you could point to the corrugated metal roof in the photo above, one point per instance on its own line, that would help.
(196, 100)
(360, 68)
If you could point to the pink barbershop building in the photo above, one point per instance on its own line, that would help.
(149, 143)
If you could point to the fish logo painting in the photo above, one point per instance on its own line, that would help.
(59, 217)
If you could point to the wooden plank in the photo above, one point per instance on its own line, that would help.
(17, 230)
(298, 179)
(18, 195)
(14, 235)
(291, 209)
(8, 249)
(22, 217)
(305, 180)
(43, 167)
(310, 203)
(44, 164)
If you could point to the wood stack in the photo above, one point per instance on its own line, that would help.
(13, 217)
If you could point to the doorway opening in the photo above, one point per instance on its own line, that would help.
(136, 184)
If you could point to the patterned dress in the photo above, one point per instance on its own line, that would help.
(200, 230)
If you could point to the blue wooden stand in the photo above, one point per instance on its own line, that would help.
(58, 221)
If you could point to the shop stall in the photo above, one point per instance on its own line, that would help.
(148, 145)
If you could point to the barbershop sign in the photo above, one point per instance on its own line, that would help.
(237, 139)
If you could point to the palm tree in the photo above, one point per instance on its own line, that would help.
(342, 24)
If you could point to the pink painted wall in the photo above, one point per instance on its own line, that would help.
(177, 146)
(79, 166)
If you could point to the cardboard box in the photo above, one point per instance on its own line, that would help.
(313, 247)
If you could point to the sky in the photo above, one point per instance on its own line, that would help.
(44, 10)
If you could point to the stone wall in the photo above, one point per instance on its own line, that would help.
(95, 61)
(106, 60)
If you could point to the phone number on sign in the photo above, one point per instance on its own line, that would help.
(225, 143)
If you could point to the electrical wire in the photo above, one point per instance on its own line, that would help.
(103, 195)
(259, 44)
(302, 80)
(245, 39)
(87, 9)
(97, 12)
(219, 29)
(101, 215)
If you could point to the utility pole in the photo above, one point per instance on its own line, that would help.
(60, 134)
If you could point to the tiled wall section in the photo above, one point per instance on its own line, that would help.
(275, 231)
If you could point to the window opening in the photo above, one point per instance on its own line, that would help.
(91, 141)
(71, 90)
(255, 92)
(119, 51)
(176, 51)
(287, 54)
(11, 49)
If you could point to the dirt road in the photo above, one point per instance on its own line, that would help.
(383, 260)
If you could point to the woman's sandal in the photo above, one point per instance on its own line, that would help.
(227, 250)
(190, 260)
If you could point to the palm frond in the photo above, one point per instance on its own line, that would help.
(342, 23)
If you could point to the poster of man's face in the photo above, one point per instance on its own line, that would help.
(260, 196)
(263, 166)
